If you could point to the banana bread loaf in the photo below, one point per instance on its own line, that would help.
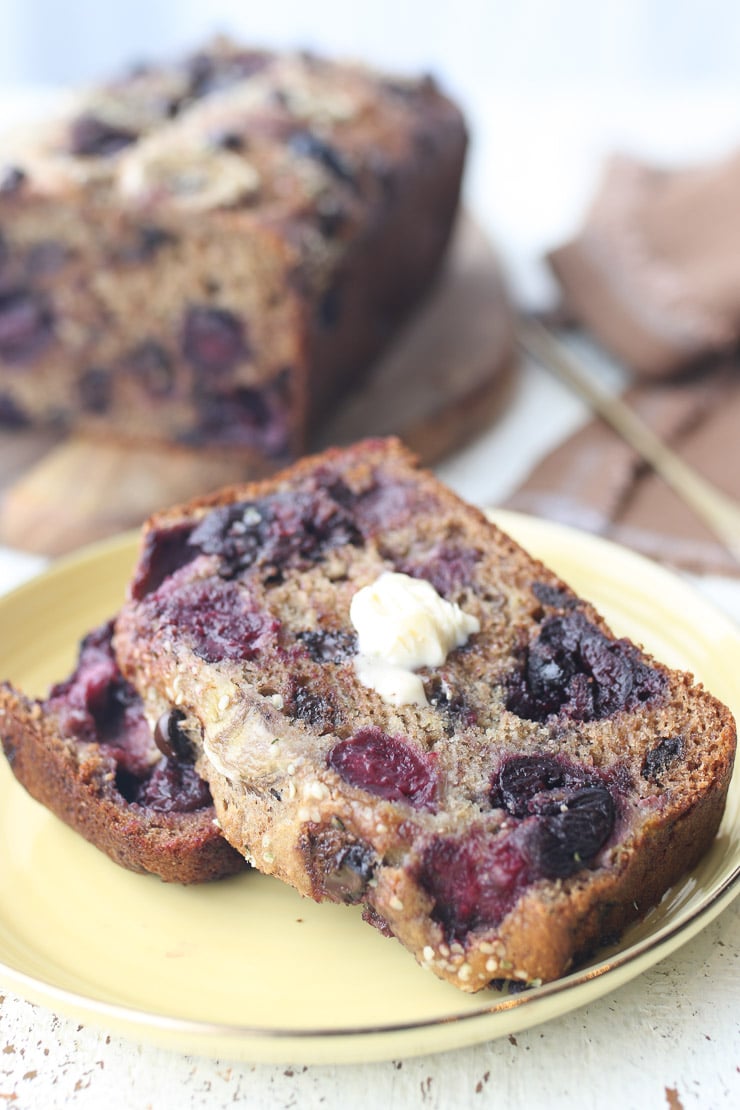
(395, 705)
(209, 252)
(87, 754)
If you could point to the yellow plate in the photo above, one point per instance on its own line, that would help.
(247, 969)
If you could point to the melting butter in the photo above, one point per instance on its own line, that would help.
(403, 624)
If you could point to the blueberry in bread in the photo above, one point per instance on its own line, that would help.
(208, 252)
(87, 753)
(395, 705)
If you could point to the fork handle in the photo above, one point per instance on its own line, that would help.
(718, 511)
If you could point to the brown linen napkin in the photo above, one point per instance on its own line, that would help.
(654, 272)
(597, 482)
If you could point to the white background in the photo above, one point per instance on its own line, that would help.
(571, 42)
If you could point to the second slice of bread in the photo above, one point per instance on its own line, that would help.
(87, 753)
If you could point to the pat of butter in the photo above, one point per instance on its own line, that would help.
(402, 624)
(395, 685)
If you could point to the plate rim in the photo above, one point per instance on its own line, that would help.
(257, 1043)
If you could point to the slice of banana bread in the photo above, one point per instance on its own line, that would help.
(395, 705)
(209, 252)
(87, 753)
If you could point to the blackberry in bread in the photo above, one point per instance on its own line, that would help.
(87, 753)
(395, 705)
(209, 252)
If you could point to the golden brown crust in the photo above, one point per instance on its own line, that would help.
(659, 754)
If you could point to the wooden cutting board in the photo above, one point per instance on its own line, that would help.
(442, 383)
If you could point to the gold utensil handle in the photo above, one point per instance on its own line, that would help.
(718, 511)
